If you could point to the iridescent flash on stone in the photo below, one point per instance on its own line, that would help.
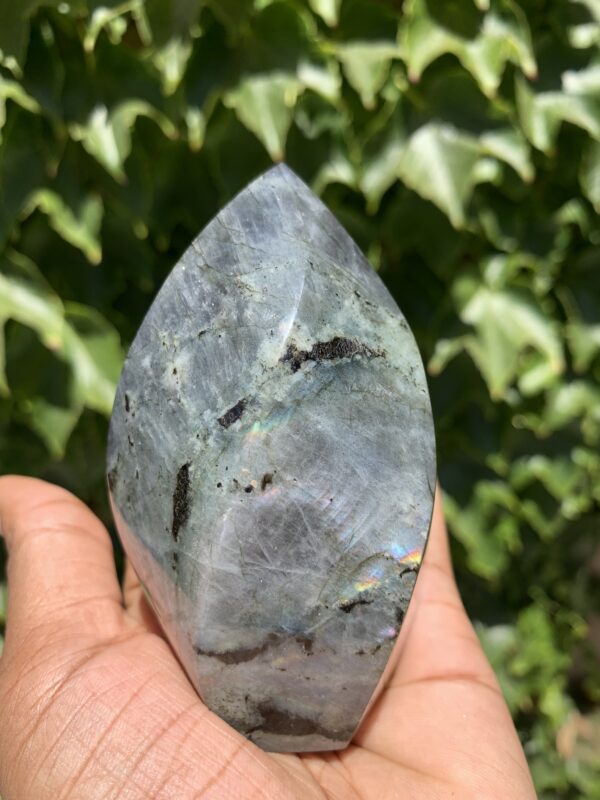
(271, 465)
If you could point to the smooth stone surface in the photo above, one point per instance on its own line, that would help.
(271, 466)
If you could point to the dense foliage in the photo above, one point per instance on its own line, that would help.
(459, 142)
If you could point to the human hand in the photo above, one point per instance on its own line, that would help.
(95, 706)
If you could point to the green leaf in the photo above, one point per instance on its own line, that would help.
(172, 19)
(338, 169)
(487, 526)
(586, 34)
(509, 145)
(80, 227)
(542, 114)
(366, 66)
(503, 37)
(441, 164)
(77, 334)
(328, 10)
(53, 424)
(584, 343)
(92, 347)
(324, 80)
(445, 351)
(171, 61)
(26, 298)
(195, 121)
(507, 324)
(12, 90)
(110, 18)
(265, 105)
(380, 170)
(589, 174)
(107, 134)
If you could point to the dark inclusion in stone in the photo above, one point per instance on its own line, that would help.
(271, 466)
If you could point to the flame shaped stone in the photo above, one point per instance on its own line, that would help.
(271, 467)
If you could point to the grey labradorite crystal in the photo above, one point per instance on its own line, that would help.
(271, 465)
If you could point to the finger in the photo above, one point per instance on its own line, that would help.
(132, 587)
(137, 605)
(437, 639)
(61, 573)
(440, 665)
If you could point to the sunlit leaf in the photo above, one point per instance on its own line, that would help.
(337, 170)
(12, 90)
(507, 324)
(440, 164)
(366, 66)
(589, 175)
(78, 335)
(53, 424)
(92, 347)
(381, 166)
(324, 80)
(111, 18)
(329, 10)
(171, 61)
(509, 146)
(487, 527)
(80, 227)
(584, 343)
(542, 114)
(107, 134)
(502, 37)
(265, 105)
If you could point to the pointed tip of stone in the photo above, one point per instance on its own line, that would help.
(284, 172)
(280, 168)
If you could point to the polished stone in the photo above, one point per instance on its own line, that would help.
(271, 466)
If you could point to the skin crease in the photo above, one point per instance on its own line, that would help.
(95, 706)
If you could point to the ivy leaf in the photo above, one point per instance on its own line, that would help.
(264, 104)
(338, 169)
(171, 19)
(507, 324)
(53, 424)
(81, 228)
(441, 164)
(110, 18)
(380, 170)
(78, 335)
(107, 134)
(366, 66)
(584, 343)
(586, 34)
(503, 37)
(12, 90)
(589, 174)
(328, 10)
(171, 61)
(510, 146)
(445, 351)
(542, 114)
(489, 535)
(92, 347)
(324, 80)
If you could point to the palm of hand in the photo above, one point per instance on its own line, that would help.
(95, 706)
